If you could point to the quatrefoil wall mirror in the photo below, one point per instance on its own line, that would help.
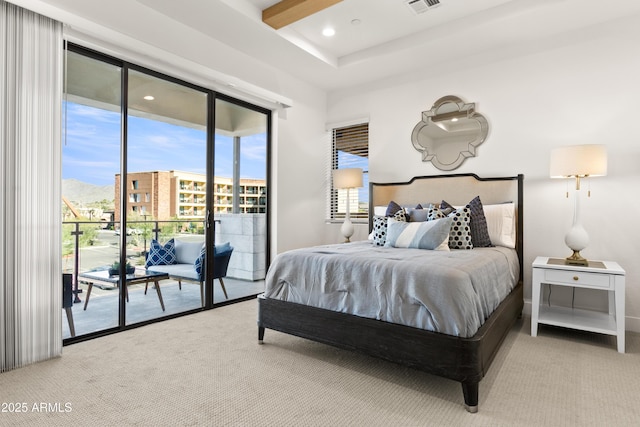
(449, 133)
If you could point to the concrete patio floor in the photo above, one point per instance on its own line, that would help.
(102, 309)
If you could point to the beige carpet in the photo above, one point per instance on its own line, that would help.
(207, 369)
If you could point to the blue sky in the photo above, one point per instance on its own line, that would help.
(91, 152)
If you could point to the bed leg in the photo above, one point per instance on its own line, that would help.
(260, 335)
(470, 391)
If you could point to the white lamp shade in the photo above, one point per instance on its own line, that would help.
(347, 178)
(578, 161)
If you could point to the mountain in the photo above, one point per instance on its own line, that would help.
(82, 192)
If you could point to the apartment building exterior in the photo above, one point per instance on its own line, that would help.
(165, 195)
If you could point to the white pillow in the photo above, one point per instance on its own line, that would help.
(501, 224)
(380, 210)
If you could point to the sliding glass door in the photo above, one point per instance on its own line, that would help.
(240, 205)
(90, 161)
(165, 188)
(164, 194)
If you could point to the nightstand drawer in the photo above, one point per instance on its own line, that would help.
(579, 278)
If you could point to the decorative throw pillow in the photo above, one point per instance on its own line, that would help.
(401, 215)
(434, 213)
(161, 255)
(433, 235)
(460, 234)
(379, 230)
(419, 213)
(199, 262)
(501, 223)
(479, 230)
(380, 226)
(392, 208)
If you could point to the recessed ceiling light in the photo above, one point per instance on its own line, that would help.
(328, 32)
(149, 98)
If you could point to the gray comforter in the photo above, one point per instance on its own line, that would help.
(449, 292)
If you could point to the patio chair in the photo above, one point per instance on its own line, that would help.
(221, 257)
(220, 265)
(67, 300)
(193, 271)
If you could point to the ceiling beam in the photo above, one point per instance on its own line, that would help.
(286, 12)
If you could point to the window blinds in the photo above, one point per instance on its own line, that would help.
(350, 149)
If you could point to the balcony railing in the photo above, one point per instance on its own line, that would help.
(90, 244)
(100, 243)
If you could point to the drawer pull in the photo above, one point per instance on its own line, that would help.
(576, 278)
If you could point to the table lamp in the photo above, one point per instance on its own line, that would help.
(346, 179)
(578, 161)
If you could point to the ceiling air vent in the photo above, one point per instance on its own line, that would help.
(421, 6)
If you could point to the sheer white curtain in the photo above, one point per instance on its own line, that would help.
(30, 180)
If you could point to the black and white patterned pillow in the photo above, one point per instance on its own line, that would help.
(401, 216)
(460, 234)
(479, 230)
(434, 213)
(380, 226)
(379, 230)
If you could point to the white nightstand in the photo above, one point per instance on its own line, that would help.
(604, 275)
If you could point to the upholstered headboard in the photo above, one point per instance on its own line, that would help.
(456, 189)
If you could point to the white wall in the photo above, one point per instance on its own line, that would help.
(582, 88)
(299, 173)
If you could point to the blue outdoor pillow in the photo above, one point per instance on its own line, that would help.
(161, 255)
(199, 263)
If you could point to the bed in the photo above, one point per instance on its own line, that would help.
(436, 334)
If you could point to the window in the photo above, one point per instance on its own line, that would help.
(134, 184)
(350, 149)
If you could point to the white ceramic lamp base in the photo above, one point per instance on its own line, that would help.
(347, 230)
(577, 239)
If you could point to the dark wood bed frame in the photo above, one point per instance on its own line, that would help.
(461, 359)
